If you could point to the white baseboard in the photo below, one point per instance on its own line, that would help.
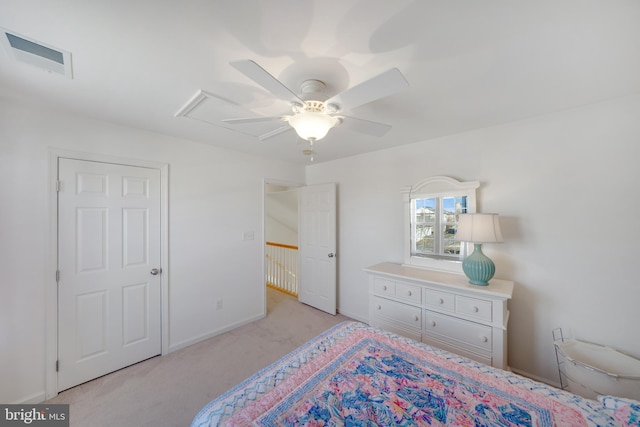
(536, 378)
(354, 316)
(34, 398)
(202, 337)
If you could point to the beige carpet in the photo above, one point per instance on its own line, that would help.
(170, 390)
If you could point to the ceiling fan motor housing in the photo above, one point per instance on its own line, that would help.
(313, 89)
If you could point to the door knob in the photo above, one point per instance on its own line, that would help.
(156, 271)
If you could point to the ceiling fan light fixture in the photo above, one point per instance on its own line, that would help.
(312, 125)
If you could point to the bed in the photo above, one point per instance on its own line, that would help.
(355, 375)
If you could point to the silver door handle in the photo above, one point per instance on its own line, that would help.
(156, 271)
(331, 255)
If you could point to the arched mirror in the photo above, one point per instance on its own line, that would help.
(431, 210)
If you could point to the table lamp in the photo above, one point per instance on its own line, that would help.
(478, 228)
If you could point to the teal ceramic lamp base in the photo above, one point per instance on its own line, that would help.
(478, 267)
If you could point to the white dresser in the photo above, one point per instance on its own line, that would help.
(442, 309)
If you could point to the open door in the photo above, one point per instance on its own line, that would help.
(317, 247)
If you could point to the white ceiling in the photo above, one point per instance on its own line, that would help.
(470, 63)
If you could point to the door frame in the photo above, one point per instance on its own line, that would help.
(50, 284)
(265, 181)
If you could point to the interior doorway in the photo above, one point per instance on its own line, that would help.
(309, 220)
(281, 238)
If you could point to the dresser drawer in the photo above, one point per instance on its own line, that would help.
(406, 314)
(409, 292)
(384, 287)
(440, 300)
(473, 307)
(482, 357)
(397, 328)
(463, 333)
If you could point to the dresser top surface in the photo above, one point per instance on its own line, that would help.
(497, 287)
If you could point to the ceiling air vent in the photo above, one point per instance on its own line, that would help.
(38, 54)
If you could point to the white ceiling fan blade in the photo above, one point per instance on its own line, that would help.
(251, 120)
(261, 76)
(365, 126)
(275, 132)
(385, 84)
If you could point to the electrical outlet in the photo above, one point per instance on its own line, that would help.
(247, 235)
(219, 304)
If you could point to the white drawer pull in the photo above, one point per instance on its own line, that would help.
(485, 339)
(409, 293)
(379, 307)
(384, 288)
(433, 323)
(475, 309)
(417, 318)
(441, 301)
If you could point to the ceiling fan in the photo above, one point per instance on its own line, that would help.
(313, 113)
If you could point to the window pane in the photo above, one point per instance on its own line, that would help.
(424, 239)
(452, 207)
(450, 246)
(425, 210)
(424, 219)
(461, 205)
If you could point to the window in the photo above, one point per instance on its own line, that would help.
(433, 225)
(431, 217)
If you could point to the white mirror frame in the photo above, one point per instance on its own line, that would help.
(436, 186)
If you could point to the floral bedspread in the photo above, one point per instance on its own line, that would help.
(354, 375)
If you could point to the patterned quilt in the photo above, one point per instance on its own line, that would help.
(354, 375)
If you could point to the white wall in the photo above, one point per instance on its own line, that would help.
(281, 217)
(566, 186)
(215, 195)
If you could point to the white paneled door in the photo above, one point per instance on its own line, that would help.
(317, 247)
(109, 313)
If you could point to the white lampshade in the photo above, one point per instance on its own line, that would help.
(311, 125)
(479, 228)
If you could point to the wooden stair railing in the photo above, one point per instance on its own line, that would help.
(282, 267)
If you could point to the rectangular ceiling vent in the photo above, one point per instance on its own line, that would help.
(38, 54)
